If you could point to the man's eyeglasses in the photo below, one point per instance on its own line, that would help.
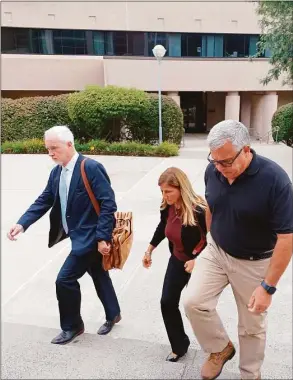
(224, 163)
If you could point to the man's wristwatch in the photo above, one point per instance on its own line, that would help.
(269, 289)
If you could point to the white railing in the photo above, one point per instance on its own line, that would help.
(266, 137)
(182, 142)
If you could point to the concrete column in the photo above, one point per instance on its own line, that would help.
(257, 114)
(270, 105)
(175, 96)
(232, 106)
(245, 110)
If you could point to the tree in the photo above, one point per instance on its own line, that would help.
(277, 37)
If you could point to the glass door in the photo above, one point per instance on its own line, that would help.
(193, 106)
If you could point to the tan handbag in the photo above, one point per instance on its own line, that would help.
(122, 236)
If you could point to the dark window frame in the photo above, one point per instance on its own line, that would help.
(137, 43)
(186, 41)
(69, 43)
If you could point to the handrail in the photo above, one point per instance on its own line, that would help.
(268, 136)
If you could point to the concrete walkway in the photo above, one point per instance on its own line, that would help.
(137, 347)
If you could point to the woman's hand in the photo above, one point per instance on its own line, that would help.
(147, 260)
(189, 266)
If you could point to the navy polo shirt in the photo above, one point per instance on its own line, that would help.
(248, 215)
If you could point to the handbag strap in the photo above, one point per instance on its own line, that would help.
(89, 190)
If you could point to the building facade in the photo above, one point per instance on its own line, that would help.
(209, 69)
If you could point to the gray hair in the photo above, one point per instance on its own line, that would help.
(228, 130)
(61, 132)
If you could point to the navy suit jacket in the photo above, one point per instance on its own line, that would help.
(85, 228)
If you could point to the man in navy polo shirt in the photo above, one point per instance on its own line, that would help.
(250, 223)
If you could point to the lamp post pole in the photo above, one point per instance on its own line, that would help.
(159, 51)
(160, 103)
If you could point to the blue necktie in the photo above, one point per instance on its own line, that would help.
(63, 197)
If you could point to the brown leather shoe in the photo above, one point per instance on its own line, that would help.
(212, 368)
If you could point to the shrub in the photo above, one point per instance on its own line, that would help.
(96, 147)
(110, 113)
(167, 149)
(28, 118)
(26, 146)
(114, 114)
(282, 124)
(100, 112)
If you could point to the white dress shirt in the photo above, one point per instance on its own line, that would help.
(69, 171)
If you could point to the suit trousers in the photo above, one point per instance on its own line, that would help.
(68, 289)
(213, 271)
(176, 279)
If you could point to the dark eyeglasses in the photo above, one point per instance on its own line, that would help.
(225, 163)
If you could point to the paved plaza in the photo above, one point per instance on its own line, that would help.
(136, 348)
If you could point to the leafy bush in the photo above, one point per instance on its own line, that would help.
(114, 114)
(100, 112)
(26, 146)
(146, 127)
(95, 147)
(282, 124)
(167, 149)
(28, 118)
(110, 113)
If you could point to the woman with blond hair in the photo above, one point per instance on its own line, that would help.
(183, 223)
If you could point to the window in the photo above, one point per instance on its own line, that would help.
(253, 40)
(236, 45)
(71, 42)
(212, 46)
(156, 39)
(109, 46)
(174, 43)
(99, 43)
(15, 41)
(124, 43)
(267, 53)
(254, 49)
(136, 43)
(191, 45)
(41, 41)
(120, 43)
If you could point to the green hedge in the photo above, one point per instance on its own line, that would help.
(95, 147)
(28, 118)
(109, 113)
(144, 126)
(282, 124)
(115, 113)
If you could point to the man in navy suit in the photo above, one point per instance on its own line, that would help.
(72, 215)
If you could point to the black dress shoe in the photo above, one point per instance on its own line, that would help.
(108, 325)
(173, 358)
(67, 336)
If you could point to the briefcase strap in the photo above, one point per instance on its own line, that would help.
(89, 190)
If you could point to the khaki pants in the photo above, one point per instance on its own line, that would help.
(213, 271)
